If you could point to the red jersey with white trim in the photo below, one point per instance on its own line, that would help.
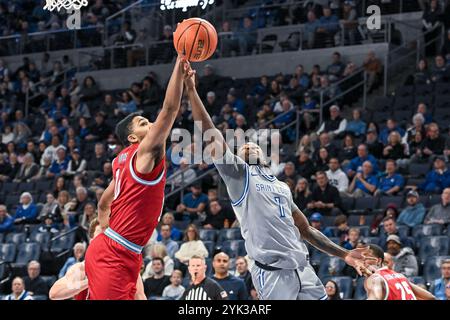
(82, 295)
(138, 198)
(397, 285)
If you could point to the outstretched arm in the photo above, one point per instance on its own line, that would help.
(152, 147)
(354, 258)
(71, 284)
(104, 205)
(420, 293)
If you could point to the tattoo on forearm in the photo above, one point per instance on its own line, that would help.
(321, 242)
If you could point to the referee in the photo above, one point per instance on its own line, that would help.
(202, 287)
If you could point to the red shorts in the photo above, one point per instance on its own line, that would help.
(111, 269)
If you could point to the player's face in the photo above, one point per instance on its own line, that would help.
(251, 153)
(140, 126)
(368, 263)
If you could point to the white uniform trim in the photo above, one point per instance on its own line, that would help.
(246, 187)
(142, 181)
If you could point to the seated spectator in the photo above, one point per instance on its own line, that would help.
(15, 166)
(171, 245)
(439, 286)
(192, 246)
(34, 283)
(5, 168)
(155, 284)
(390, 182)
(336, 125)
(7, 135)
(302, 194)
(325, 142)
(414, 213)
(89, 90)
(50, 151)
(18, 291)
(329, 24)
(234, 286)
(391, 126)
(374, 68)
(321, 163)
(193, 204)
(395, 149)
(244, 274)
(356, 126)
(48, 224)
(336, 68)
(76, 164)
(60, 164)
(390, 211)
(89, 214)
(316, 222)
(306, 145)
(418, 122)
(157, 251)
(288, 172)
(336, 177)
(440, 213)
(356, 163)
(364, 183)
(423, 110)
(28, 169)
(405, 261)
(78, 108)
(104, 178)
(390, 228)
(437, 179)
(325, 198)
(247, 36)
(6, 221)
(175, 234)
(349, 22)
(175, 290)
(433, 144)
(332, 290)
(99, 131)
(26, 212)
(440, 72)
(99, 158)
(422, 74)
(341, 223)
(310, 29)
(374, 146)
(215, 217)
(353, 239)
(79, 249)
(348, 150)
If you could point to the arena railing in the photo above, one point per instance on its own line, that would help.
(59, 236)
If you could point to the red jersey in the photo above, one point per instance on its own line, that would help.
(138, 198)
(82, 295)
(397, 285)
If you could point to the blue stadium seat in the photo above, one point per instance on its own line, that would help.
(432, 268)
(354, 220)
(371, 240)
(336, 240)
(16, 238)
(417, 280)
(348, 203)
(363, 230)
(210, 245)
(209, 267)
(27, 252)
(433, 246)
(333, 230)
(229, 234)
(328, 221)
(43, 186)
(9, 187)
(7, 252)
(25, 187)
(63, 243)
(2, 270)
(418, 169)
(360, 292)
(434, 199)
(43, 238)
(345, 285)
(208, 234)
(365, 203)
(330, 267)
(384, 201)
(234, 248)
(425, 230)
(2, 237)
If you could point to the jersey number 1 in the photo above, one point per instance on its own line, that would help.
(280, 207)
(117, 184)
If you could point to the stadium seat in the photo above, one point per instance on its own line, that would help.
(2, 270)
(7, 252)
(333, 230)
(423, 89)
(434, 199)
(336, 240)
(423, 99)
(442, 89)
(25, 187)
(418, 169)
(363, 230)
(9, 187)
(365, 203)
(16, 238)
(62, 243)
(209, 267)
(345, 285)
(40, 297)
(384, 201)
(49, 280)
(417, 280)
(208, 234)
(2, 237)
(441, 101)
(210, 245)
(355, 220)
(348, 203)
(330, 267)
(328, 221)
(425, 230)
(27, 252)
(234, 248)
(404, 91)
(371, 240)
(433, 246)
(360, 292)
(432, 268)
(12, 200)
(43, 238)
(229, 234)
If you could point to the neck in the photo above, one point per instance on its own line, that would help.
(221, 275)
(159, 275)
(198, 279)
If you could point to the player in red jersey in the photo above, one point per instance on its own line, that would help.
(130, 208)
(74, 284)
(386, 284)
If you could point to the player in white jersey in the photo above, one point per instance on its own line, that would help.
(271, 224)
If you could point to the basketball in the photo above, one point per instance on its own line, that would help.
(196, 39)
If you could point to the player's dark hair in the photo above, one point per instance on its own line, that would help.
(377, 251)
(124, 127)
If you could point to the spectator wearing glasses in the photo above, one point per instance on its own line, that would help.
(441, 287)
(332, 290)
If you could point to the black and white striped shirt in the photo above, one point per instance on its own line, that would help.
(208, 289)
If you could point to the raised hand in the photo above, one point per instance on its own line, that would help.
(359, 258)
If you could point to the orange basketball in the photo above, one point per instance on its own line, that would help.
(196, 39)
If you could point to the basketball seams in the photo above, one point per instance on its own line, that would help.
(181, 35)
(193, 40)
(207, 34)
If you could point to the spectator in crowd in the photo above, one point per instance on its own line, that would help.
(418, 122)
(171, 245)
(302, 194)
(76, 165)
(329, 24)
(356, 126)
(311, 27)
(48, 224)
(332, 290)
(431, 21)
(405, 261)
(100, 157)
(34, 283)
(336, 177)
(244, 274)
(321, 163)
(325, 142)
(440, 213)
(215, 217)
(373, 67)
(437, 179)
(347, 151)
(28, 169)
(423, 110)
(50, 151)
(336, 125)
(27, 211)
(356, 163)
(5, 168)
(341, 223)
(89, 90)
(391, 126)
(390, 228)
(316, 222)
(336, 68)
(100, 130)
(364, 183)
(445, 49)
(440, 72)
(79, 249)
(78, 108)
(155, 284)
(89, 214)
(374, 146)
(349, 22)
(193, 204)
(247, 36)
(192, 246)
(390, 182)
(60, 164)
(439, 286)
(175, 233)
(157, 250)
(325, 198)
(6, 221)
(353, 239)
(15, 166)
(175, 290)
(234, 286)
(18, 291)
(414, 213)
(395, 149)
(202, 287)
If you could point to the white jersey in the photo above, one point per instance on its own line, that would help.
(263, 206)
(338, 179)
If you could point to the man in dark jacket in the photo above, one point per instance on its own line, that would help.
(325, 198)
(34, 283)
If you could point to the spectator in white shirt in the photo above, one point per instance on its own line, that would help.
(336, 177)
